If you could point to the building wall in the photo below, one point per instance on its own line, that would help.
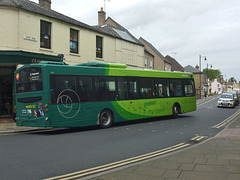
(167, 67)
(158, 61)
(21, 31)
(216, 87)
(149, 61)
(197, 83)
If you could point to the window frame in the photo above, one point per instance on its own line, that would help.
(72, 41)
(99, 47)
(43, 24)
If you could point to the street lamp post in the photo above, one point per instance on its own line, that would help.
(200, 59)
(207, 75)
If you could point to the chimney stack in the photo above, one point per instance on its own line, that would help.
(45, 3)
(101, 17)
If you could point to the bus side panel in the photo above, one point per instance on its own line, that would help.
(140, 109)
(78, 115)
(188, 104)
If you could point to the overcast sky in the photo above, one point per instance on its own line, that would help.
(182, 29)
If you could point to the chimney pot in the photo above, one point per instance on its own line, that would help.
(45, 3)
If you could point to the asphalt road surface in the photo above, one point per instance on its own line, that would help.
(39, 155)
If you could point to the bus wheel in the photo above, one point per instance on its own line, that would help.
(175, 110)
(106, 119)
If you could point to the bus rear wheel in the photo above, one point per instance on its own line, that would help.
(176, 110)
(106, 118)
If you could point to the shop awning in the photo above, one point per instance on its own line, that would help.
(23, 57)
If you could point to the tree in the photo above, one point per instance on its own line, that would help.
(212, 73)
(232, 79)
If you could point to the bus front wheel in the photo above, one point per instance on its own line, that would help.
(176, 110)
(106, 119)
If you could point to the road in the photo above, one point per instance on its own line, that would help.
(39, 155)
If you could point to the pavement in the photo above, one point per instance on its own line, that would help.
(217, 158)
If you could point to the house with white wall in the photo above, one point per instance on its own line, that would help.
(216, 87)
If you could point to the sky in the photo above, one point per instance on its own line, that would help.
(182, 29)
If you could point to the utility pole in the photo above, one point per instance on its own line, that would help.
(200, 68)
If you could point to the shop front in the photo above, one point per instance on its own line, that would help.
(9, 60)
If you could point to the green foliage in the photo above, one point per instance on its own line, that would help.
(232, 79)
(212, 73)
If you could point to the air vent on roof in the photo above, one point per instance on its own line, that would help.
(101, 64)
(53, 63)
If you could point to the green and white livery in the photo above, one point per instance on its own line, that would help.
(58, 95)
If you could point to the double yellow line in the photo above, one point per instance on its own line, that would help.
(117, 164)
(223, 123)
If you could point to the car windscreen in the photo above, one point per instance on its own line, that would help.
(228, 96)
(29, 80)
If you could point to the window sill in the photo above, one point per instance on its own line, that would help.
(99, 59)
(45, 49)
(73, 54)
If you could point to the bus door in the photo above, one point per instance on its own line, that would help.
(189, 103)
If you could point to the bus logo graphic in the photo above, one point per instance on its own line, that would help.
(17, 76)
(68, 103)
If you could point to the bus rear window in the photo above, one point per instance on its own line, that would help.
(29, 80)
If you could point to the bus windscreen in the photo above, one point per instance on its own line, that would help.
(29, 80)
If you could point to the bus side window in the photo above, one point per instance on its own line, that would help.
(107, 87)
(64, 89)
(132, 89)
(146, 88)
(85, 88)
(175, 88)
(122, 88)
(189, 87)
(162, 88)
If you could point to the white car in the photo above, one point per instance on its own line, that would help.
(226, 100)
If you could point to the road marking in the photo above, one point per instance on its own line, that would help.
(198, 138)
(223, 123)
(117, 164)
(206, 101)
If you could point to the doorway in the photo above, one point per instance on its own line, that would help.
(6, 90)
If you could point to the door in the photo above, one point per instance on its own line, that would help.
(6, 87)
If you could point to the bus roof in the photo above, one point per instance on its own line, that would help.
(107, 69)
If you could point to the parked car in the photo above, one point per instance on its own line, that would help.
(227, 100)
(235, 94)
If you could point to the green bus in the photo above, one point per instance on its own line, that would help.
(54, 94)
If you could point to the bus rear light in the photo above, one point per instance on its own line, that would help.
(45, 105)
(15, 107)
(49, 102)
(46, 110)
